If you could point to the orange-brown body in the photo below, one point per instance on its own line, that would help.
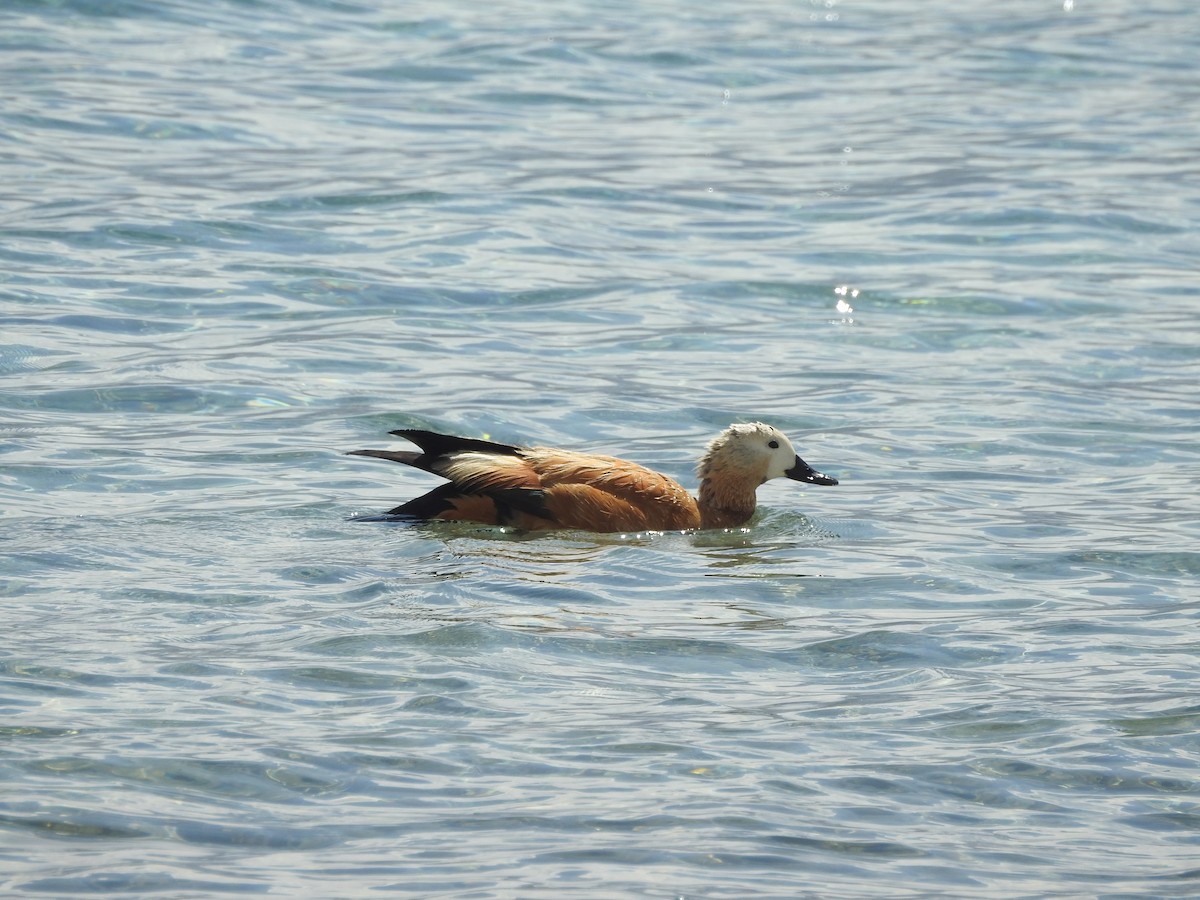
(538, 488)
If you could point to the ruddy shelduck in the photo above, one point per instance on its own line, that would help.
(539, 488)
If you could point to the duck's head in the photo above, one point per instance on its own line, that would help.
(757, 451)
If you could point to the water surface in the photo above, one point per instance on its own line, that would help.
(951, 252)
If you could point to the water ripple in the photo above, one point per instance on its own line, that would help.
(950, 254)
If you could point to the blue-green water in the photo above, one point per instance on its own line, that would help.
(240, 238)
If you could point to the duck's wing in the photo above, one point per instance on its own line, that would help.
(470, 463)
(540, 487)
(520, 508)
(488, 482)
(605, 493)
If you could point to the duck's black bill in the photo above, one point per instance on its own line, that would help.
(802, 471)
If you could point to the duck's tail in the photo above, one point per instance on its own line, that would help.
(436, 449)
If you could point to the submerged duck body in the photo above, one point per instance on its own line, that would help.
(540, 488)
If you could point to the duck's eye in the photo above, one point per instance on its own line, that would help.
(774, 445)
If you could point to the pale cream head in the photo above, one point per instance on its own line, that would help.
(754, 451)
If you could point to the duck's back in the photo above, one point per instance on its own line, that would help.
(604, 493)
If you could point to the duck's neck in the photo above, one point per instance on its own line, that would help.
(726, 503)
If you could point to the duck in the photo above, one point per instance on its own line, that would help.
(544, 488)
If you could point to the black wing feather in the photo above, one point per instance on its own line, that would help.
(436, 447)
(433, 444)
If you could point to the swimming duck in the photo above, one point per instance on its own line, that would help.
(538, 488)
